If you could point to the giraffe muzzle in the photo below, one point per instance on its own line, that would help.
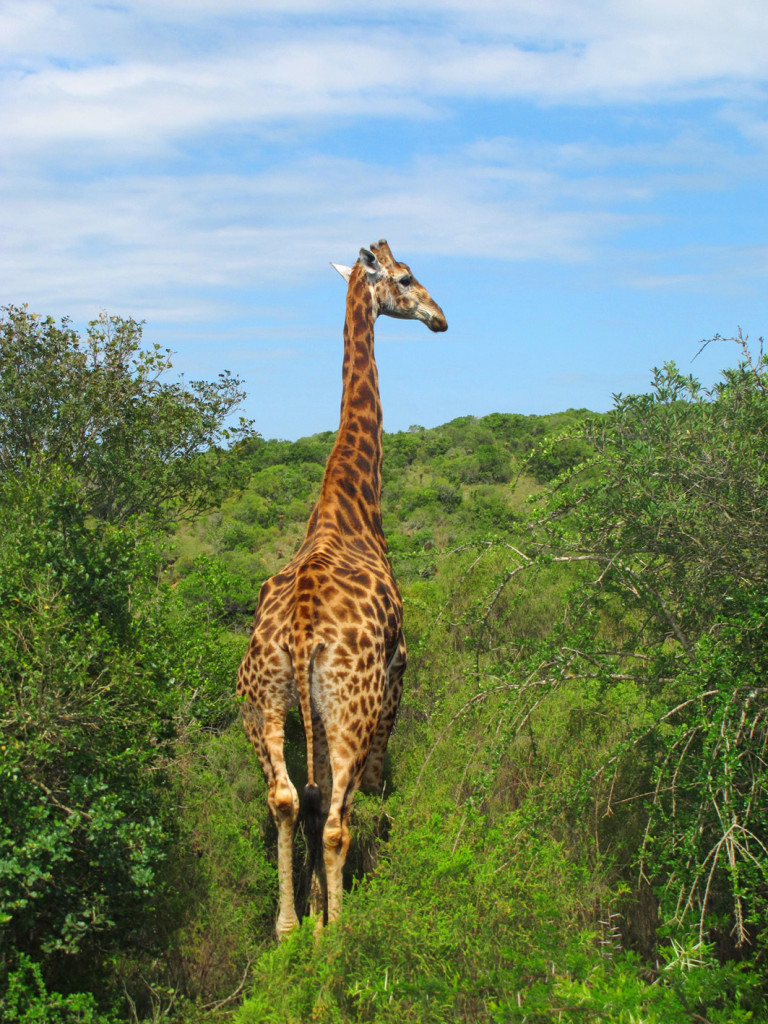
(437, 322)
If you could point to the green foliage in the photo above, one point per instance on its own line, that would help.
(407, 951)
(688, 983)
(558, 455)
(226, 886)
(708, 820)
(676, 508)
(84, 826)
(673, 525)
(100, 406)
(26, 1001)
(101, 662)
(498, 935)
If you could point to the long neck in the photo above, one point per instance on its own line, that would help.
(358, 444)
(350, 496)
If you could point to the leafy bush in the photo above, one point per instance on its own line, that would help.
(558, 455)
(84, 825)
(673, 525)
(494, 465)
(26, 1001)
(99, 664)
(99, 406)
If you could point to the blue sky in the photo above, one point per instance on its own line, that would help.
(581, 186)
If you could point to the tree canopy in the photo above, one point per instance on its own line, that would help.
(101, 408)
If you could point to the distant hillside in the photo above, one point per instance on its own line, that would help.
(464, 480)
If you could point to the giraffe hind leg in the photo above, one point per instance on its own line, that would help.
(349, 705)
(347, 774)
(336, 838)
(265, 729)
(374, 766)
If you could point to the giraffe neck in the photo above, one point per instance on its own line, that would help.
(361, 417)
(350, 495)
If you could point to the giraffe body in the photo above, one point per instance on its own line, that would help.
(328, 627)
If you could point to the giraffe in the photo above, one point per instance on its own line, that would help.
(328, 628)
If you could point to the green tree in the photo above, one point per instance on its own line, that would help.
(98, 665)
(101, 406)
(670, 521)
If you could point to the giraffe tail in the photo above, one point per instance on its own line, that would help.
(312, 816)
(311, 802)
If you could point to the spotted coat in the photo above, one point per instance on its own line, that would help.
(328, 630)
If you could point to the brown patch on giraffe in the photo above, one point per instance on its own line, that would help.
(364, 394)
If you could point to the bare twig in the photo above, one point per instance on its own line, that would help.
(230, 998)
(477, 699)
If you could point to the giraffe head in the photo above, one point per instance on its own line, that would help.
(395, 290)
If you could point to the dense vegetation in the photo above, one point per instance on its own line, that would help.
(574, 825)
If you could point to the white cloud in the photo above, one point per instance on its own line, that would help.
(137, 76)
(136, 105)
(22, 21)
(703, 269)
(103, 205)
(140, 241)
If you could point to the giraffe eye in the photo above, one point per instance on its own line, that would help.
(406, 281)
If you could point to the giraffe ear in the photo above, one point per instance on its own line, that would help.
(370, 263)
(344, 271)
